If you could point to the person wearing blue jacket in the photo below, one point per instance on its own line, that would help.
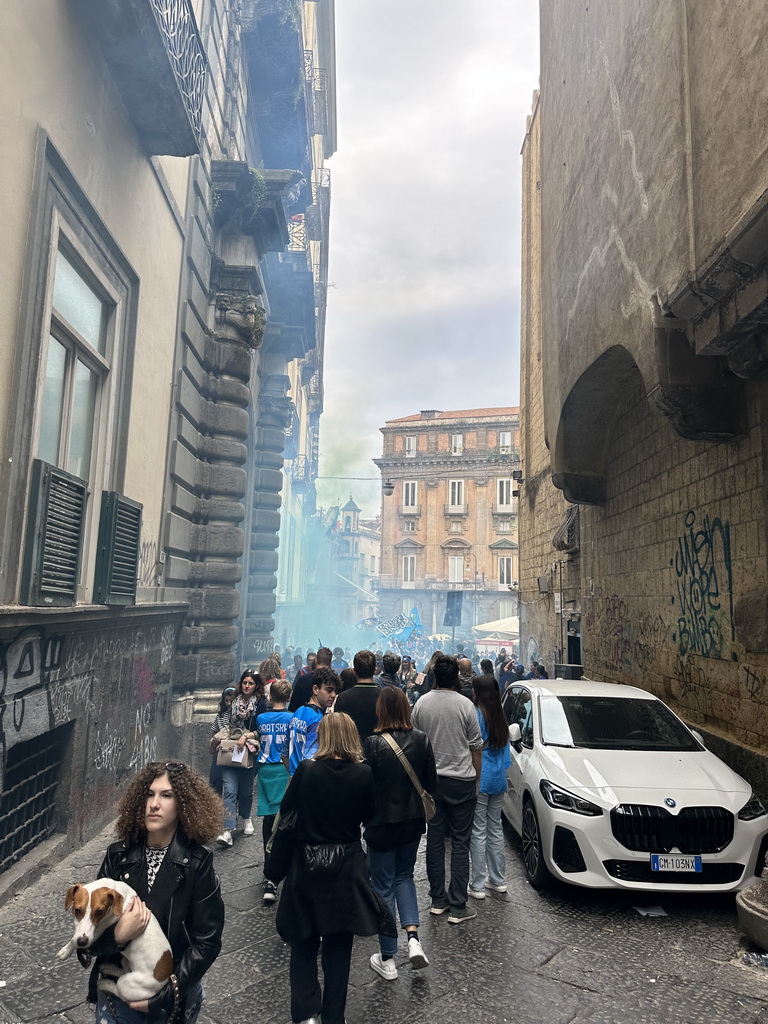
(486, 848)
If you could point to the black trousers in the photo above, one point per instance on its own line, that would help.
(266, 829)
(455, 800)
(336, 955)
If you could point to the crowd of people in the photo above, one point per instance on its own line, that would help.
(353, 759)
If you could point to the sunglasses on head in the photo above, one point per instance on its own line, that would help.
(171, 767)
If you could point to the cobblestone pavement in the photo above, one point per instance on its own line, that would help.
(566, 957)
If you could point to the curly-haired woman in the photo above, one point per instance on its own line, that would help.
(167, 813)
(248, 704)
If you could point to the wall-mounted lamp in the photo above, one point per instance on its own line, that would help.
(517, 476)
(388, 488)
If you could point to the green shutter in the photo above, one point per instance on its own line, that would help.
(117, 559)
(54, 543)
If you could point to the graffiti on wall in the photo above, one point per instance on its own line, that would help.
(118, 681)
(623, 642)
(702, 565)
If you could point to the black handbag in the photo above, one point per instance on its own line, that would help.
(323, 860)
(280, 847)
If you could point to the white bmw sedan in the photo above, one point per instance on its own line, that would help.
(609, 788)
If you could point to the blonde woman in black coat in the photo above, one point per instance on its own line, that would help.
(327, 898)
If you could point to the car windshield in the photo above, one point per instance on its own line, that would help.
(612, 723)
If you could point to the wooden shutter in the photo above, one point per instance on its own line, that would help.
(54, 545)
(117, 558)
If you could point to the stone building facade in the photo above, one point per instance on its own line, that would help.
(450, 525)
(165, 212)
(645, 286)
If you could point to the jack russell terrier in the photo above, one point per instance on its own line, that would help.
(147, 959)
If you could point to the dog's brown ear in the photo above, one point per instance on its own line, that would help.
(117, 903)
(69, 899)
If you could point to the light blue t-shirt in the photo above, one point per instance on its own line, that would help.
(302, 734)
(493, 773)
(272, 730)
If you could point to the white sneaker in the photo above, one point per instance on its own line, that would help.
(416, 954)
(386, 968)
(225, 839)
(248, 828)
(496, 888)
(476, 894)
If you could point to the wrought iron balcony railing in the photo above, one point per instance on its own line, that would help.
(156, 57)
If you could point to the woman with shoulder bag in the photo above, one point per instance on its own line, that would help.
(219, 729)
(237, 781)
(486, 848)
(394, 832)
(327, 899)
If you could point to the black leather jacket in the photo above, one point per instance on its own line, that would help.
(186, 900)
(396, 796)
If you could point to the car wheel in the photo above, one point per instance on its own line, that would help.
(536, 870)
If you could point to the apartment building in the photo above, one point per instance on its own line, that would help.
(449, 535)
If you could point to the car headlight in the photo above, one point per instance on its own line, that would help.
(752, 809)
(556, 797)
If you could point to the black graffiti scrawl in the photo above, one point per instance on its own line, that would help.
(703, 572)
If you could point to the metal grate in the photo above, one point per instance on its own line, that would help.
(176, 21)
(654, 830)
(640, 871)
(28, 800)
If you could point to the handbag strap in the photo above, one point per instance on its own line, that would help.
(405, 763)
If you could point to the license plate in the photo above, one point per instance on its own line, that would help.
(675, 862)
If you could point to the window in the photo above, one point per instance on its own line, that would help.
(456, 569)
(409, 568)
(506, 609)
(70, 433)
(76, 368)
(455, 493)
(410, 446)
(373, 563)
(504, 493)
(505, 570)
(504, 526)
(409, 526)
(409, 494)
(457, 444)
(505, 442)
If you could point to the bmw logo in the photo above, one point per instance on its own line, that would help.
(670, 802)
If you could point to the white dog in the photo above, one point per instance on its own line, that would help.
(147, 959)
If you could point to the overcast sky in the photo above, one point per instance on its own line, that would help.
(423, 308)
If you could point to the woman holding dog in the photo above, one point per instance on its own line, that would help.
(167, 813)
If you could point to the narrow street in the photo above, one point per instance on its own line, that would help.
(567, 957)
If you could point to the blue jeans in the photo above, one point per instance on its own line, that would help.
(111, 1010)
(237, 794)
(486, 847)
(392, 878)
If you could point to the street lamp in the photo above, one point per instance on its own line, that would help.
(388, 488)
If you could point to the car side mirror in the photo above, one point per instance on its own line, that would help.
(697, 735)
(515, 736)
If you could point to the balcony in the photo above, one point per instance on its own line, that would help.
(455, 510)
(504, 510)
(409, 510)
(291, 326)
(451, 585)
(155, 55)
(278, 70)
(301, 474)
(292, 431)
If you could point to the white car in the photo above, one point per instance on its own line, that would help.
(609, 788)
